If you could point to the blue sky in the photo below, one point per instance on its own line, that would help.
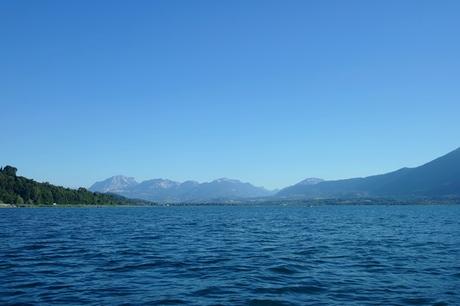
(268, 92)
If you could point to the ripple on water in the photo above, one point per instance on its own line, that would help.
(241, 255)
(283, 269)
(268, 302)
(303, 289)
(417, 301)
(211, 291)
(170, 302)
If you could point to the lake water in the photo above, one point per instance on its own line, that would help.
(231, 255)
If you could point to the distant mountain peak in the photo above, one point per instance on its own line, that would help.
(121, 177)
(162, 183)
(114, 184)
(226, 180)
(190, 182)
(310, 181)
(164, 190)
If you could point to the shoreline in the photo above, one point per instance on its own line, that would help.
(247, 204)
(4, 205)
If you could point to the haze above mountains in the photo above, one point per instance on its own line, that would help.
(438, 178)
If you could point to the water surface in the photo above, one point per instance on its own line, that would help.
(268, 255)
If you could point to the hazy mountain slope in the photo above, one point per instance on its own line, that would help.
(156, 189)
(225, 189)
(170, 191)
(114, 184)
(440, 177)
(310, 181)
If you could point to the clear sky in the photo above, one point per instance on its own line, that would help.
(269, 92)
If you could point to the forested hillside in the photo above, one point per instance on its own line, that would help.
(20, 190)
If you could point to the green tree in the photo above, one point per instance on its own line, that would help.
(18, 190)
(19, 200)
(11, 171)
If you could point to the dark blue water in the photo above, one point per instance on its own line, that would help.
(271, 255)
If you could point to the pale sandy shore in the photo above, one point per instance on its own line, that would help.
(3, 205)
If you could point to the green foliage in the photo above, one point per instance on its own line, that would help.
(19, 190)
(11, 171)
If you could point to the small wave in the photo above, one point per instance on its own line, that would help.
(283, 270)
(440, 304)
(146, 266)
(311, 289)
(260, 302)
(127, 268)
(28, 285)
(417, 301)
(210, 291)
(34, 246)
(170, 302)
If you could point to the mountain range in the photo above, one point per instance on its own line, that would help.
(438, 178)
(164, 190)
